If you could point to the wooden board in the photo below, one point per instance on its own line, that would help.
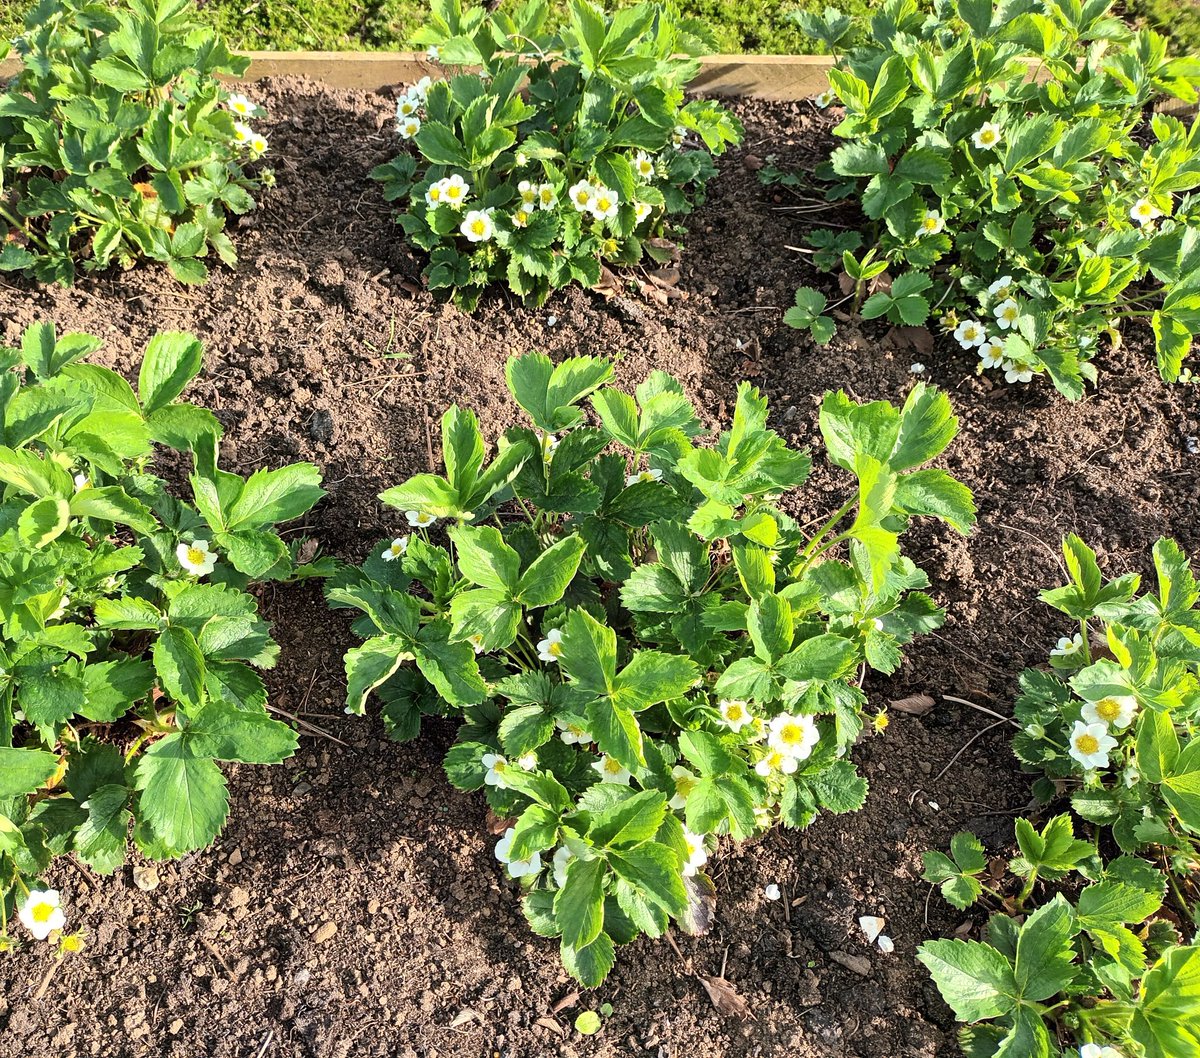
(779, 77)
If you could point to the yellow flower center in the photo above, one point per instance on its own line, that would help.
(196, 556)
(582, 198)
(1010, 313)
(547, 196)
(603, 203)
(478, 227)
(555, 648)
(435, 193)
(734, 712)
(613, 767)
(970, 333)
(684, 784)
(42, 912)
(1087, 744)
(987, 135)
(931, 223)
(1108, 709)
(454, 191)
(791, 733)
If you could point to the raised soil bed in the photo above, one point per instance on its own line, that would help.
(353, 906)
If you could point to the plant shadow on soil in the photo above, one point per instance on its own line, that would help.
(353, 907)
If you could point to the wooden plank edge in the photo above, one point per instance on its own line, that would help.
(772, 77)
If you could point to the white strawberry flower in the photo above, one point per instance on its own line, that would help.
(697, 854)
(685, 782)
(572, 734)
(1094, 1050)
(776, 761)
(551, 648)
(991, 353)
(240, 105)
(82, 481)
(409, 127)
(258, 144)
(435, 194)
(549, 442)
(581, 195)
(1114, 710)
(242, 132)
(527, 762)
(547, 197)
(1068, 646)
(651, 474)
(1006, 313)
(1015, 371)
(1091, 744)
(520, 218)
(988, 135)
(970, 334)
(679, 136)
(406, 107)
(528, 192)
(421, 89)
(605, 203)
(793, 736)
(562, 859)
(612, 770)
(516, 868)
(196, 558)
(823, 99)
(643, 165)
(1131, 776)
(477, 225)
(432, 53)
(476, 642)
(395, 549)
(455, 190)
(1001, 287)
(496, 766)
(641, 210)
(419, 519)
(42, 913)
(735, 713)
(933, 223)
(1144, 212)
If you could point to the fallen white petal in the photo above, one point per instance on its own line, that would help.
(872, 926)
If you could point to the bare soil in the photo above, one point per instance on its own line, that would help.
(353, 906)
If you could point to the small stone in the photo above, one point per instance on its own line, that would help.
(235, 857)
(175, 1027)
(238, 897)
(145, 878)
(325, 932)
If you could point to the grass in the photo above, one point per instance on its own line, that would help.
(740, 25)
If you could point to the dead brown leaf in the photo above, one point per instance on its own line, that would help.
(726, 998)
(913, 705)
(553, 1026)
(915, 339)
(496, 825)
(857, 963)
(664, 277)
(567, 1001)
(465, 1017)
(609, 285)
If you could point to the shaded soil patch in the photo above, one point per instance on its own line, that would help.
(353, 906)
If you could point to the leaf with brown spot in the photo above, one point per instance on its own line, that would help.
(726, 998)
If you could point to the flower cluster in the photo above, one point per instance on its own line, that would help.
(1006, 311)
(560, 187)
(243, 109)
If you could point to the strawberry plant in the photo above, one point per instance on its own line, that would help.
(129, 644)
(119, 144)
(647, 651)
(1116, 724)
(1103, 968)
(568, 151)
(1014, 176)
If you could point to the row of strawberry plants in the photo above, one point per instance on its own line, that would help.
(1093, 941)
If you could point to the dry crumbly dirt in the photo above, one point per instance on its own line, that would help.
(353, 906)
